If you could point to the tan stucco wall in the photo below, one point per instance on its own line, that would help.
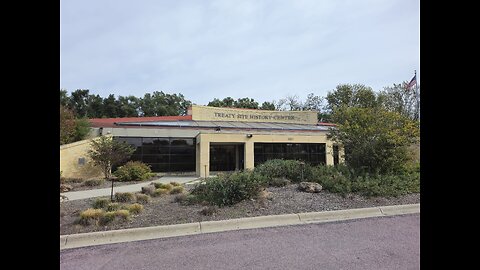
(69, 165)
(204, 139)
(205, 113)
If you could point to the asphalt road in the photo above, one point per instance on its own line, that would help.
(373, 243)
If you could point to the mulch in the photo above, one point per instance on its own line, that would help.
(286, 200)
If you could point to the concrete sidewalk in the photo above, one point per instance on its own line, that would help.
(145, 233)
(84, 194)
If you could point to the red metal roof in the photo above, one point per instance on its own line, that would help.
(109, 122)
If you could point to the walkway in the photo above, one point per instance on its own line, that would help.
(84, 194)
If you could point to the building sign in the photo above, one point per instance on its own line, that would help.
(205, 113)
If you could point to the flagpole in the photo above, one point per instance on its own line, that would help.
(417, 96)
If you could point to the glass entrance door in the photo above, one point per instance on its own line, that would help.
(226, 157)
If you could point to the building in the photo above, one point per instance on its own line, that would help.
(210, 139)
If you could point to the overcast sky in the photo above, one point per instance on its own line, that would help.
(264, 50)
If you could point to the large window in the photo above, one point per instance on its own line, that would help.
(164, 154)
(313, 153)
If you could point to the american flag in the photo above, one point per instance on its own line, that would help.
(412, 82)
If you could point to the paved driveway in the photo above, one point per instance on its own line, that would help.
(372, 243)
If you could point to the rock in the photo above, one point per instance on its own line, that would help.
(265, 195)
(63, 198)
(310, 187)
(65, 187)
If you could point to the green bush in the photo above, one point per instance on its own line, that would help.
(124, 197)
(387, 185)
(133, 171)
(100, 203)
(229, 189)
(135, 208)
(164, 186)
(293, 170)
(142, 198)
(91, 216)
(175, 184)
(278, 182)
(177, 190)
(333, 179)
(93, 182)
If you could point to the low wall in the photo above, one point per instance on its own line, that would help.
(75, 163)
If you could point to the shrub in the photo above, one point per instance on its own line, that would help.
(142, 198)
(164, 186)
(91, 216)
(387, 185)
(187, 199)
(108, 217)
(209, 210)
(100, 203)
(161, 191)
(175, 184)
(113, 206)
(123, 214)
(133, 171)
(332, 178)
(149, 190)
(124, 197)
(290, 169)
(278, 182)
(93, 182)
(177, 190)
(135, 208)
(229, 189)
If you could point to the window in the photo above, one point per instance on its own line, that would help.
(313, 153)
(163, 154)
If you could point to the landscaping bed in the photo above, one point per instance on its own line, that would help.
(162, 210)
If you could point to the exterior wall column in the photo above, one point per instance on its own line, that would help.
(329, 153)
(203, 154)
(249, 157)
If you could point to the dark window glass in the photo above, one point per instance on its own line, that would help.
(162, 152)
(313, 153)
(335, 155)
(182, 151)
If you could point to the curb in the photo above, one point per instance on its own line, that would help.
(164, 231)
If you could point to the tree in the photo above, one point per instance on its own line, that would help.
(401, 100)
(94, 106)
(78, 102)
(128, 106)
(247, 103)
(106, 152)
(67, 125)
(161, 104)
(64, 99)
(268, 106)
(82, 128)
(375, 140)
(110, 106)
(347, 95)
